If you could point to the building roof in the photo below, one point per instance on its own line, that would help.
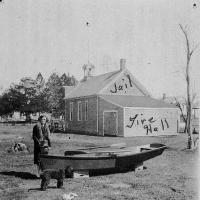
(93, 85)
(136, 101)
(97, 84)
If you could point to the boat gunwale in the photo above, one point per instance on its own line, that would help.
(111, 156)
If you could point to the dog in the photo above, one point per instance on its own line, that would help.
(44, 148)
(49, 174)
(59, 175)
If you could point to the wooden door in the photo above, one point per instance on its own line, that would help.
(110, 125)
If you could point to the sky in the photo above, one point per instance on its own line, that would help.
(52, 36)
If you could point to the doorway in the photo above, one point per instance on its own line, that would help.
(110, 123)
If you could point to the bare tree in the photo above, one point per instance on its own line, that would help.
(190, 52)
(178, 104)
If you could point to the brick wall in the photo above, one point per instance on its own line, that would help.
(82, 126)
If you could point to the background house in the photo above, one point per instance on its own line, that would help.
(183, 105)
(117, 104)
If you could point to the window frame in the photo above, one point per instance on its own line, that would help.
(86, 113)
(71, 108)
(80, 109)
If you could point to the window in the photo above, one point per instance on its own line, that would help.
(86, 110)
(71, 111)
(79, 111)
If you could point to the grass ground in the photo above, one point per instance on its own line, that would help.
(173, 175)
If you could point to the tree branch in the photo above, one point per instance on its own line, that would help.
(187, 42)
(179, 106)
(192, 51)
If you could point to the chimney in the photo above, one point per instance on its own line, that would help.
(122, 63)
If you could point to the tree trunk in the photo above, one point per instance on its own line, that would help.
(28, 117)
(189, 131)
(185, 129)
(190, 144)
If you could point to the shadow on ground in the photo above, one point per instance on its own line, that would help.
(39, 189)
(103, 172)
(22, 175)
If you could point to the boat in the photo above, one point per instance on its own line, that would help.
(103, 159)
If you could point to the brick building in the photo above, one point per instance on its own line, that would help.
(117, 104)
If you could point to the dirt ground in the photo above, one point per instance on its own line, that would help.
(173, 175)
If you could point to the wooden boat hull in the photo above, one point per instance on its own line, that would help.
(106, 159)
(129, 161)
(61, 162)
